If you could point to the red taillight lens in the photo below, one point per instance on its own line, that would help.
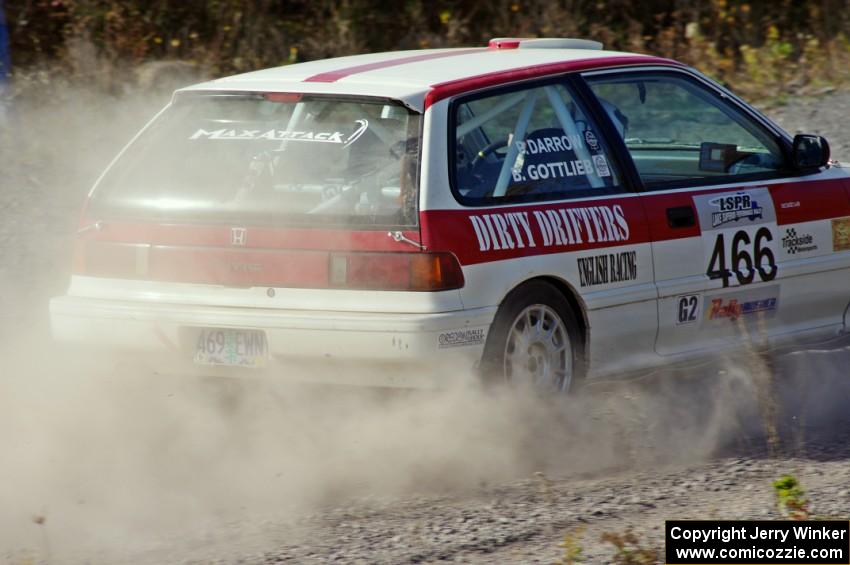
(346, 270)
(395, 271)
(116, 260)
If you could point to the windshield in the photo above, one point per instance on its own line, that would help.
(270, 159)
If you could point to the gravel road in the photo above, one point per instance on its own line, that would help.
(148, 473)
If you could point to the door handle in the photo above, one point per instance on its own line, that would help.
(681, 217)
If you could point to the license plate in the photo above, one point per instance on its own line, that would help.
(235, 348)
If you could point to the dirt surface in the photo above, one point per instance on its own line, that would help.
(121, 468)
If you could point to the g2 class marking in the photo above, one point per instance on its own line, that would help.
(687, 309)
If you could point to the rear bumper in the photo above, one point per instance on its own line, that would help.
(349, 347)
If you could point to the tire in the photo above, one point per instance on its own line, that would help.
(545, 350)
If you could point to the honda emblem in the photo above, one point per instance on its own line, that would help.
(238, 236)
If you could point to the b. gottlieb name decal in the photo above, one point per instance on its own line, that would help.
(608, 268)
(553, 227)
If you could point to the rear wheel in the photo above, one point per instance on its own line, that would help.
(535, 341)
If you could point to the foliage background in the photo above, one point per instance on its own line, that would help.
(765, 49)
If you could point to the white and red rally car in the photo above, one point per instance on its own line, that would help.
(540, 207)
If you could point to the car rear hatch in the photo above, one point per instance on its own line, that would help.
(269, 191)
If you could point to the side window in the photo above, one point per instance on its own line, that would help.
(677, 130)
(526, 145)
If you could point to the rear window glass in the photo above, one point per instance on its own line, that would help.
(274, 159)
(530, 144)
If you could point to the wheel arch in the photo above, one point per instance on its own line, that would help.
(573, 299)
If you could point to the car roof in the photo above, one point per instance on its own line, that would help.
(422, 77)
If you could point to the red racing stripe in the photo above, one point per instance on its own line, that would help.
(483, 235)
(333, 76)
(451, 88)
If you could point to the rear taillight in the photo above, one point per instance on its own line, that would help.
(395, 271)
(114, 260)
(411, 271)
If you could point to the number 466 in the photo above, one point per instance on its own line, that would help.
(743, 263)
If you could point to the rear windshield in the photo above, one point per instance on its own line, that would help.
(270, 159)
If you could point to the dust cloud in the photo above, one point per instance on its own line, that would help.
(100, 461)
(117, 462)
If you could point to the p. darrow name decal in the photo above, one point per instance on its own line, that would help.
(608, 268)
(549, 228)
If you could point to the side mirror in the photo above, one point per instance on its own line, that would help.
(810, 151)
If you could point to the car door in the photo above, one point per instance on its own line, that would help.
(740, 241)
(535, 193)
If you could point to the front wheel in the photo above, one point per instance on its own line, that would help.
(535, 341)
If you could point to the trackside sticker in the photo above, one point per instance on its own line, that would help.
(796, 242)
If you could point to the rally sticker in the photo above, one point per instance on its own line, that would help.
(460, 338)
(562, 146)
(687, 309)
(742, 208)
(739, 235)
(601, 166)
(841, 234)
(798, 242)
(591, 140)
(608, 268)
(567, 227)
(549, 144)
(228, 134)
(757, 302)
